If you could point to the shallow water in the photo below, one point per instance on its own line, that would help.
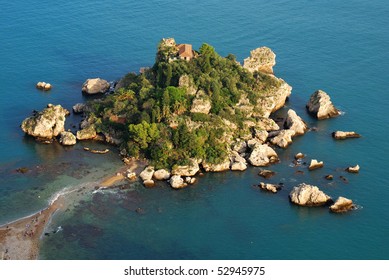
(338, 47)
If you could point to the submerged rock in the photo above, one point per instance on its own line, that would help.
(329, 177)
(342, 205)
(353, 169)
(321, 107)
(315, 164)
(95, 86)
(47, 124)
(267, 174)
(269, 187)
(294, 122)
(67, 138)
(262, 155)
(307, 195)
(340, 135)
(261, 59)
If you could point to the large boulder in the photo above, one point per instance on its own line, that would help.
(342, 204)
(261, 135)
(47, 124)
(240, 146)
(307, 195)
(262, 155)
(161, 174)
(284, 138)
(186, 170)
(67, 138)
(261, 59)
(293, 121)
(341, 135)
(321, 107)
(147, 173)
(216, 167)
(177, 182)
(95, 86)
(238, 163)
(87, 133)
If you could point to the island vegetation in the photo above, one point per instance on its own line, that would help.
(182, 109)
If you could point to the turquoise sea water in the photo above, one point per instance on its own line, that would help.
(338, 46)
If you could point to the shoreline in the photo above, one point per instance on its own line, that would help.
(20, 239)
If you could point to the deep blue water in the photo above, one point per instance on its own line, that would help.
(338, 46)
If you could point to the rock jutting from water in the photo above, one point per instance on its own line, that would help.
(321, 107)
(47, 124)
(44, 86)
(353, 169)
(67, 138)
(269, 187)
(315, 164)
(95, 86)
(341, 135)
(308, 195)
(342, 205)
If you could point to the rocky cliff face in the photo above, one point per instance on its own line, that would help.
(272, 100)
(47, 124)
(261, 59)
(321, 107)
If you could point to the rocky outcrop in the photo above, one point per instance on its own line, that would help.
(261, 59)
(353, 169)
(261, 135)
(177, 182)
(95, 86)
(284, 138)
(131, 175)
(238, 163)
(186, 170)
(44, 86)
(87, 133)
(188, 84)
(342, 205)
(321, 107)
(294, 122)
(269, 187)
(201, 104)
(307, 195)
(216, 167)
(190, 180)
(67, 138)
(79, 108)
(267, 174)
(262, 155)
(267, 124)
(315, 164)
(47, 124)
(341, 135)
(161, 174)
